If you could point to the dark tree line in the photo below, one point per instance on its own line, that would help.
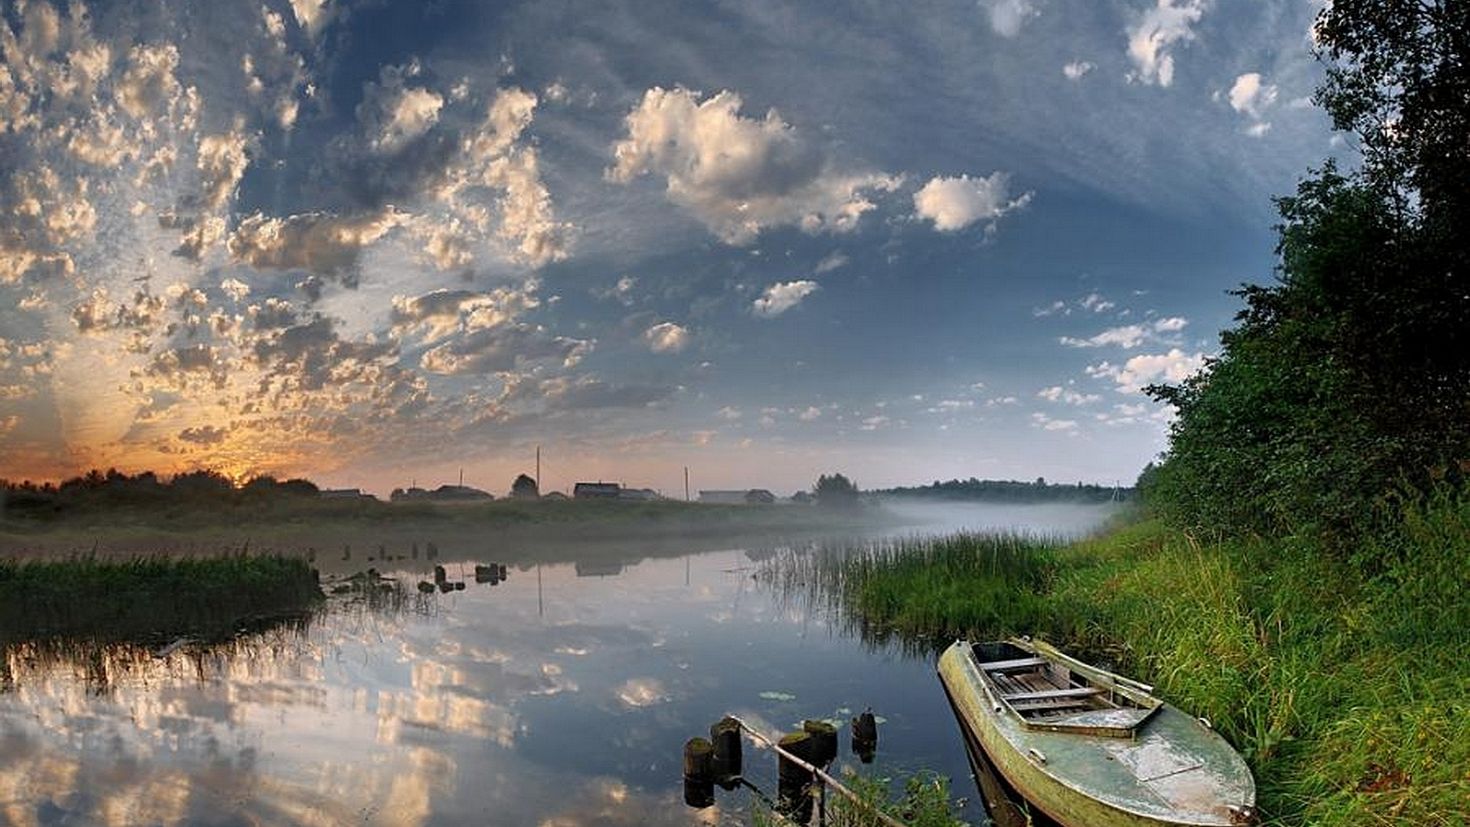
(1012, 491)
(99, 490)
(1348, 378)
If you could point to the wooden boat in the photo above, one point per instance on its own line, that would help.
(1089, 748)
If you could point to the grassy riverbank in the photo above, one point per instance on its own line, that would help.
(1343, 682)
(150, 600)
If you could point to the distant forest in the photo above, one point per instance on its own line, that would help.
(115, 490)
(1012, 491)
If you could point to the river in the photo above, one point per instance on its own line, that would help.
(559, 696)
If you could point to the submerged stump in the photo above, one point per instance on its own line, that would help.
(728, 762)
(793, 782)
(699, 779)
(824, 741)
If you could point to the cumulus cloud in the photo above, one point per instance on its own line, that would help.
(148, 82)
(1251, 96)
(443, 312)
(666, 337)
(393, 113)
(955, 203)
(1067, 396)
(781, 297)
(1154, 34)
(204, 435)
(313, 15)
(1173, 367)
(1047, 423)
(319, 242)
(739, 175)
(1077, 68)
(1007, 16)
(500, 349)
(1129, 336)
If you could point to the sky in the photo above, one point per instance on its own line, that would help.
(377, 243)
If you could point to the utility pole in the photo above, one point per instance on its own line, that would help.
(538, 469)
(686, 483)
(461, 477)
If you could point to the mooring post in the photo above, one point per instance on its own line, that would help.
(824, 741)
(699, 781)
(865, 736)
(728, 762)
(794, 778)
(762, 740)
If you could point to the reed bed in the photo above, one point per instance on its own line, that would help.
(921, 591)
(151, 600)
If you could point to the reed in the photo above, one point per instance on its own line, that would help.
(150, 599)
(921, 591)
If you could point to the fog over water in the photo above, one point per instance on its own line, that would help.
(1069, 520)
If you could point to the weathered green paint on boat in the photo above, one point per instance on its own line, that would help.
(1173, 770)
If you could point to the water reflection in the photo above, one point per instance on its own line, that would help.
(555, 699)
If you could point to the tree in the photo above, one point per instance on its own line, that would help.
(836, 491)
(524, 488)
(1350, 375)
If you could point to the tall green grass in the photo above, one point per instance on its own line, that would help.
(923, 591)
(150, 599)
(1344, 682)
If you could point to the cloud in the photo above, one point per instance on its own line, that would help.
(1046, 423)
(666, 337)
(319, 242)
(1007, 16)
(831, 261)
(148, 83)
(811, 413)
(500, 349)
(222, 163)
(394, 114)
(443, 312)
(1128, 336)
(955, 203)
(1077, 68)
(590, 393)
(204, 435)
(1251, 97)
(781, 297)
(1153, 35)
(313, 15)
(1067, 396)
(739, 175)
(1173, 367)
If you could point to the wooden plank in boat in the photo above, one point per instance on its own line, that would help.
(1054, 693)
(1017, 663)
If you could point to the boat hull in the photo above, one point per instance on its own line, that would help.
(1174, 771)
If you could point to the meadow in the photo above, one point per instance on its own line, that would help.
(1343, 683)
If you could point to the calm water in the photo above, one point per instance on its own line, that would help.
(561, 696)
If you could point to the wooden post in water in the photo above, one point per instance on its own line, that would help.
(699, 779)
(865, 736)
(728, 762)
(793, 781)
(824, 741)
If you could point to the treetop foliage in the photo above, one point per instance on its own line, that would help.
(1349, 377)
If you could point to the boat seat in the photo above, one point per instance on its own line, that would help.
(1007, 665)
(1050, 705)
(1080, 692)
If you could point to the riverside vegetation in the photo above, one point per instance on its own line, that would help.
(1299, 571)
